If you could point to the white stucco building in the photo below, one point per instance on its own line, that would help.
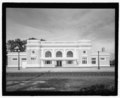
(58, 54)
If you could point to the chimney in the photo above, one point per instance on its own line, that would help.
(103, 49)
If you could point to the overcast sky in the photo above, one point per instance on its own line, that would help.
(97, 25)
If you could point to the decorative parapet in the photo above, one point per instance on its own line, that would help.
(101, 54)
(80, 43)
(16, 53)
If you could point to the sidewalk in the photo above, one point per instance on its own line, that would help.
(80, 69)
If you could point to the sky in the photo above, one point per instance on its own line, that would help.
(97, 25)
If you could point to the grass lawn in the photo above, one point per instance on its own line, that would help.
(61, 82)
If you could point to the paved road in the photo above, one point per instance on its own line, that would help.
(56, 75)
(57, 80)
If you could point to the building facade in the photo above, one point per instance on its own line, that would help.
(58, 54)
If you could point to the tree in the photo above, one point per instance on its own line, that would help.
(112, 62)
(11, 44)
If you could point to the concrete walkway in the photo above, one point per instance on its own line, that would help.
(80, 69)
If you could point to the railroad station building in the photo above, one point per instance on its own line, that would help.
(58, 54)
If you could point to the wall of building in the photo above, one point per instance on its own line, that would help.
(102, 62)
(33, 59)
(14, 60)
(35, 55)
(84, 53)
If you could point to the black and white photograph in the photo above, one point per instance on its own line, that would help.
(60, 48)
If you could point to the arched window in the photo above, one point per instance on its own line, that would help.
(48, 54)
(69, 54)
(59, 54)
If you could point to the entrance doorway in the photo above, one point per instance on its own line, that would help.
(59, 64)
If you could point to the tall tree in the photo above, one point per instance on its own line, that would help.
(12, 44)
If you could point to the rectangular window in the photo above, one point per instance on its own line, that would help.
(69, 62)
(33, 58)
(48, 62)
(84, 60)
(14, 58)
(93, 60)
(102, 58)
(23, 58)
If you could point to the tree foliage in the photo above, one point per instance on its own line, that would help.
(112, 62)
(12, 44)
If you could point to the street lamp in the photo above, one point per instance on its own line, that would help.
(18, 50)
(98, 60)
(40, 53)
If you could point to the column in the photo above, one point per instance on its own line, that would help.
(42, 63)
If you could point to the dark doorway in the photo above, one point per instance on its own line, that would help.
(59, 64)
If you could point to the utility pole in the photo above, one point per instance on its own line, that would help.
(18, 50)
(18, 60)
(98, 60)
(40, 52)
